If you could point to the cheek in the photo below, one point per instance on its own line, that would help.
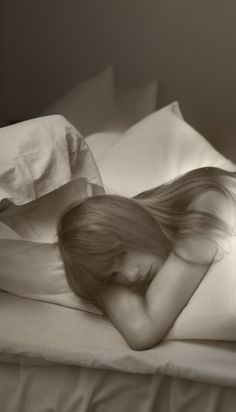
(121, 280)
(158, 264)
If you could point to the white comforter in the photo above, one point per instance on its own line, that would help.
(46, 331)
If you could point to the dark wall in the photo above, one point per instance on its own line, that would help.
(188, 45)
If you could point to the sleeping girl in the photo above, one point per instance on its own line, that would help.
(142, 258)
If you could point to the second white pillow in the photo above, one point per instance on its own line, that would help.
(159, 148)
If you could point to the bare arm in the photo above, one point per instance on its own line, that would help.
(144, 320)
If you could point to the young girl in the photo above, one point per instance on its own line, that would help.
(141, 259)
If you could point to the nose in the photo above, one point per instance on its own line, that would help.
(131, 274)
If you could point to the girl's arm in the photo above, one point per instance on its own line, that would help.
(144, 320)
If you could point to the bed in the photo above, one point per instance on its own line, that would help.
(58, 353)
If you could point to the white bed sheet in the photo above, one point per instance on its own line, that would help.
(52, 333)
(63, 388)
(45, 365)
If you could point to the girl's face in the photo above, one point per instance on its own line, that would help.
(135, 267)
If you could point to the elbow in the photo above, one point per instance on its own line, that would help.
(140, 346)
(143, 339)
(143, 344)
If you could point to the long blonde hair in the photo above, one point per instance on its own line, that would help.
(93, 232)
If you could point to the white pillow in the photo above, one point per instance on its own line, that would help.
(40, 155)
(100, 143)
(89, 104)
(174, 107)
(159, 148)
(211, 311)
(30, 263)
(35, 270)
(48, 161)
(37, 220)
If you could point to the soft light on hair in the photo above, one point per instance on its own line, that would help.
(93, 232)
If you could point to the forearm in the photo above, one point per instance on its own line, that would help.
(144, 319)
(170, 291)
(126, 308)
(123, 303)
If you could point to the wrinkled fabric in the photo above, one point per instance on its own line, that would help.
(67, 336)
(40, 155)
(72, 389)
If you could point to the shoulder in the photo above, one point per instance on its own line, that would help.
(202, 244)
(207, 198)
(217, 204)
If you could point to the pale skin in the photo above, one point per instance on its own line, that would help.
(145, 318)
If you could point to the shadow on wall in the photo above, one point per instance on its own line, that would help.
(187, 45)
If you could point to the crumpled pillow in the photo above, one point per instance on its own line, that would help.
(35, 271)
(40, 155)
(47, 165)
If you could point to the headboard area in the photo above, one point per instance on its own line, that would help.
(187, 45)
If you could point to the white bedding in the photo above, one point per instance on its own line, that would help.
(71, 389)
(211, 311)
(40, 155)
(64, 335)
(49, 332)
